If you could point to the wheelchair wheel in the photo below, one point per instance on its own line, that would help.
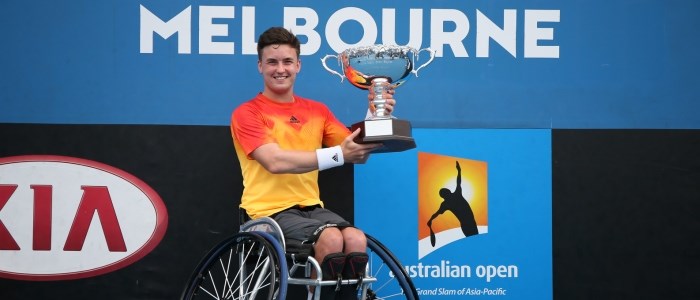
(246, 266)
(392, 280)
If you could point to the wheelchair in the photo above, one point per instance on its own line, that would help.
(255, 263)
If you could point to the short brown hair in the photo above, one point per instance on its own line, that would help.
(278, 36)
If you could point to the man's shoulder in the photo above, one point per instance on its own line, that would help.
(248, 105)
(250, 101)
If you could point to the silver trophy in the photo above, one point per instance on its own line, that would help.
(379, 67)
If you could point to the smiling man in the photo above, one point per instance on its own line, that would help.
(282, 140)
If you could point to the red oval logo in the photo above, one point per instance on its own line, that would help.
(68, 218)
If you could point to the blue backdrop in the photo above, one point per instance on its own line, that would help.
(519, 204)
(611, 64)
(521, 66)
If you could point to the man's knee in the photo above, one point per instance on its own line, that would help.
(354, 240)
(331, 234)
(330, 240)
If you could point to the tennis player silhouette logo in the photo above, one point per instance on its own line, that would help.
(455, 203)
(452, 200)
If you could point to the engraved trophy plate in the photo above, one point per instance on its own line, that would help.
(379, 67)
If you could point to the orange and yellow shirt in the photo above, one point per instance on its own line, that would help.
(301, 125)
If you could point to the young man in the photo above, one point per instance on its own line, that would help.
(279, 139)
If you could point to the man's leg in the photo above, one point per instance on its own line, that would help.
(328, 250)
(333, 238)
(355, 261)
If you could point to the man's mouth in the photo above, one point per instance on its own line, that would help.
(280, 77)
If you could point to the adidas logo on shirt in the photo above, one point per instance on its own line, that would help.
(293, 120)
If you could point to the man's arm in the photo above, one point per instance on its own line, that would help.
(280, 161)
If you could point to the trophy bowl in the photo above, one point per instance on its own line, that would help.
(379, 67)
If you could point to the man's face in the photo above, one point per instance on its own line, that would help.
(279, 66)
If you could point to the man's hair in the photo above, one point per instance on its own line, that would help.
(278, 36)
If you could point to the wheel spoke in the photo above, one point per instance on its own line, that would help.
(244, 267)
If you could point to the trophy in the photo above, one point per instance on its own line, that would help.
(380, 67)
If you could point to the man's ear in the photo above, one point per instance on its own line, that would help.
(259, 67)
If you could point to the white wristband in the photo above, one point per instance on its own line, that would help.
(329, 157)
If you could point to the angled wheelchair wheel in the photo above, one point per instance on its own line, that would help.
(246, 266)
(392, 280)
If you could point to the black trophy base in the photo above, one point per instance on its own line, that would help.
(393, 134)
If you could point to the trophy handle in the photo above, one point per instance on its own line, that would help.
(323, 62)
(432, 56)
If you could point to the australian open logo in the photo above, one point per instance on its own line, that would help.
(452, 200)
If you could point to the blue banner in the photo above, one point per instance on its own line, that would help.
(498, 64)
(468, 212)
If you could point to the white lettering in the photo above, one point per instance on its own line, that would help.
(533, 34)
(307, 29)
(208, 30)
(485, 29)
(490, 272)
(438, 36)
(249, 46)
(369, 28)
(449, 29)
(150, 23)
(415, 28)
(444, 270)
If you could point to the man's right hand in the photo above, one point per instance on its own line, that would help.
(354, 152)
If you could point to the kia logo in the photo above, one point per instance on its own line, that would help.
(67, 218)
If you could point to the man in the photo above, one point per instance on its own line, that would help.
(279, 139)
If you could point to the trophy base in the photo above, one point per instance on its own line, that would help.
(394, 134)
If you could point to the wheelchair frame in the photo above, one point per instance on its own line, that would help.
(265, 269)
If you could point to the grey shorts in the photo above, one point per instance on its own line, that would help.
(305, 224)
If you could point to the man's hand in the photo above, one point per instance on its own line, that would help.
(354, 152)
(387, 95)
